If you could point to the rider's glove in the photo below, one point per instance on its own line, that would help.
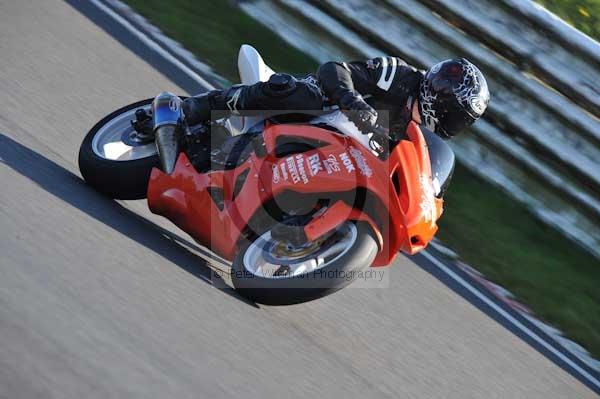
(359, 112)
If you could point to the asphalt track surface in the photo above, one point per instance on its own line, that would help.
(98, 301)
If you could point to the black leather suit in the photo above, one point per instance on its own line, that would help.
(385, 83)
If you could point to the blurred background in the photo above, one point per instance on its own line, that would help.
(524, 205)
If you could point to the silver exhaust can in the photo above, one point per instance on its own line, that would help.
(167, 115)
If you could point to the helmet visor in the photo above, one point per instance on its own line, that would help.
(452, 122)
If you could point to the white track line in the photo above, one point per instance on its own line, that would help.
(511, 319)
(152, 44)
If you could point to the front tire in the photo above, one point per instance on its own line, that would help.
(263, 285)
(122, 172)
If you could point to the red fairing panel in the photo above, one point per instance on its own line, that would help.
(403, 218)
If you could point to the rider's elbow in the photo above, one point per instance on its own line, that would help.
(328, 68)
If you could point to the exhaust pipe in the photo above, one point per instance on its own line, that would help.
(167, 144)
(167, 115)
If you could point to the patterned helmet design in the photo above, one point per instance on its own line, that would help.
(453, 95)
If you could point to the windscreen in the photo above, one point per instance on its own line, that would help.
(442, 161)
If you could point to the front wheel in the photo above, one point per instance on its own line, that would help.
(113, 160)
(274, 272)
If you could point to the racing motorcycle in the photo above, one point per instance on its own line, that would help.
(298, 206)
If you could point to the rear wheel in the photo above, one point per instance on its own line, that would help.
(114, 159)
(274, 272)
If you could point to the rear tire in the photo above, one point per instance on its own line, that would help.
(308, 286)
(126, 180)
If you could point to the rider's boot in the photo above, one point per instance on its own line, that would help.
(199, 109)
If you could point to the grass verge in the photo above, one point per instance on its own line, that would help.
(499, 237)
(581, 14)
(557, 279)
(215, 30)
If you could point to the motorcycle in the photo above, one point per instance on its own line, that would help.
(300, 208)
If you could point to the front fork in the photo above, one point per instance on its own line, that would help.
(334, 216)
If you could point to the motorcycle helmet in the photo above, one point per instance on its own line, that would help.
(453, 95)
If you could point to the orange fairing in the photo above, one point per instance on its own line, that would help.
(395, 197)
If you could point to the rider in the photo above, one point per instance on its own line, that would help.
(447, 98)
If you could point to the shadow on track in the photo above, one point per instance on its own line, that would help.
(65, 185)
